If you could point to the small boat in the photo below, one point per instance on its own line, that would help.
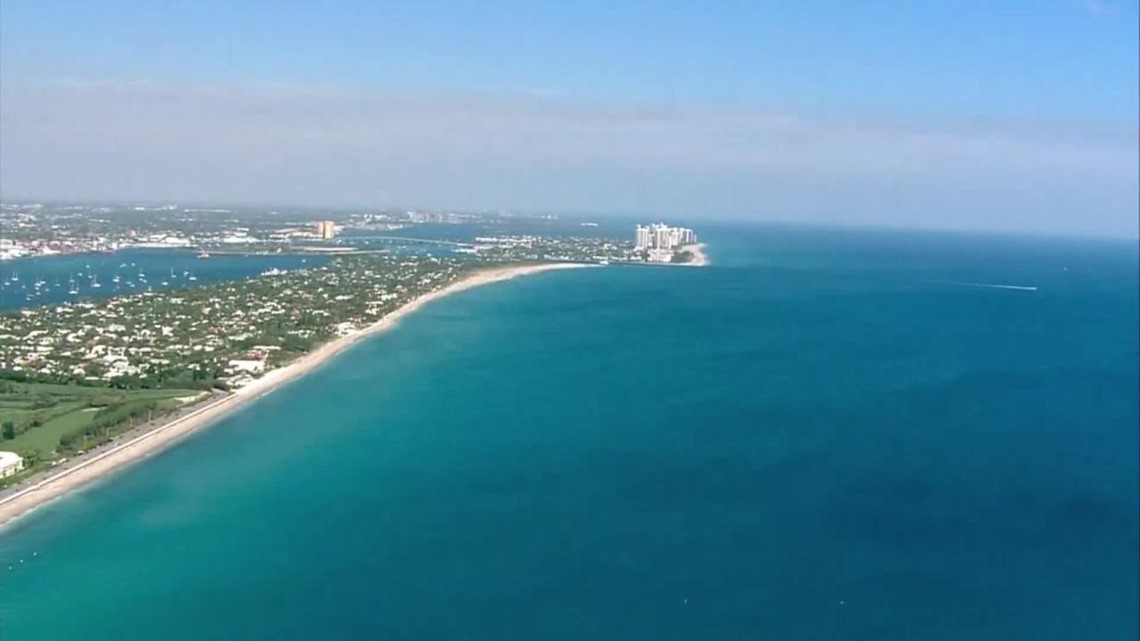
(203, 254)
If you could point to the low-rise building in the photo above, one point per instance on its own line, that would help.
(249, 366)
(10, 463)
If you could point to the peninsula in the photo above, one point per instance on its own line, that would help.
(661, 243)
(112, 365)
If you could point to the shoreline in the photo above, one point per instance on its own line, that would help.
(700, 258)
(102, 464)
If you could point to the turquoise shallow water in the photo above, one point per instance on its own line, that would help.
(817, 438)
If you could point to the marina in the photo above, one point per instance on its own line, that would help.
(47, 280)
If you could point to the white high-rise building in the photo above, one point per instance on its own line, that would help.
(643, 237)
(326, 229)
(660, 236)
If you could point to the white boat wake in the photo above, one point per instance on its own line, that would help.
(1020, 288)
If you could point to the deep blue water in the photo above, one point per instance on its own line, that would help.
(816, 438)
(58, 274)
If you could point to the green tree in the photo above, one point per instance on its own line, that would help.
(43, 401)
(9, 430)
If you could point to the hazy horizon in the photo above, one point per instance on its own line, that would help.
(1015, 119)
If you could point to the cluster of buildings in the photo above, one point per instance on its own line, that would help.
(660, 241)
(11, 249)
(19, 248)
(662, 236)
(326, 229)
(28, 230)
(232, 331)
(526, 248)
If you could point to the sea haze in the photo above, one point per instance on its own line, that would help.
(825, 435)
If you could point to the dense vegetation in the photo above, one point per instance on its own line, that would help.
(43, 422)
(187, 339)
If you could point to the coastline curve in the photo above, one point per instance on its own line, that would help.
(103, 464)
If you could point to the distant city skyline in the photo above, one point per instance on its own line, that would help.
(1013, 117)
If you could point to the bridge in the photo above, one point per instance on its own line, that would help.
(395, 240)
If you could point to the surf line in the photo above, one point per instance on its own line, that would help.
(1020, 288)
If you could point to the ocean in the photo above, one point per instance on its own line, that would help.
(828, 434)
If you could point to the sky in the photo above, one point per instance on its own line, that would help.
(1019, 115)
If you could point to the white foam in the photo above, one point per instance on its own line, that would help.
(1021, 288)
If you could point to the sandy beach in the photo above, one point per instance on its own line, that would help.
(99, 465)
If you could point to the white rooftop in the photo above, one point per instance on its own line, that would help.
(8, 459)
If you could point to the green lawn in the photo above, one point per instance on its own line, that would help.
(65, 409)
(60, 390)
(45, 438)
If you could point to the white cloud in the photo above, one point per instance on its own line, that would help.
(323, 144)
